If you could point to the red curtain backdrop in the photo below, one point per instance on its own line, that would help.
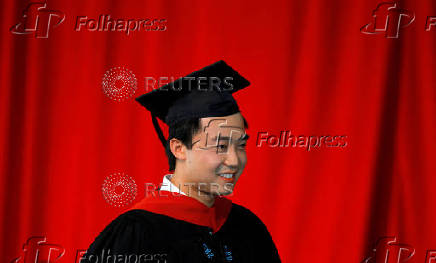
(313, 73)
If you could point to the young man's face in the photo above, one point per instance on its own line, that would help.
(218, 156)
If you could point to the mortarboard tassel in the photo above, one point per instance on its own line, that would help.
(158, 130)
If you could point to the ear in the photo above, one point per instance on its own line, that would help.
(178, 149)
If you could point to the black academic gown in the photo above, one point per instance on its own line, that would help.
(176, 230)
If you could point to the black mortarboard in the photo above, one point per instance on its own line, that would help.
(203, 93)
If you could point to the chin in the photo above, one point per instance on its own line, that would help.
(225, 192)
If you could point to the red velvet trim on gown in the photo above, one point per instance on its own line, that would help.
(186, 208)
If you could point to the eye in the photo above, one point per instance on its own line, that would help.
(221, 148)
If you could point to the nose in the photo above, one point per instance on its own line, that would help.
(231, 158)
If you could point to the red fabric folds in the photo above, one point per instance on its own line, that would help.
(314, 75)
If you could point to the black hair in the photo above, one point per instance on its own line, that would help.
(184, 131)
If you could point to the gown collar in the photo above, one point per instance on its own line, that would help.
(186, 208)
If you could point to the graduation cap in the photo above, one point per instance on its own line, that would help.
(203, 93)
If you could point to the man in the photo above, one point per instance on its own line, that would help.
(187, 219)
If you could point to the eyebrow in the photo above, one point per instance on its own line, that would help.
(227, 138)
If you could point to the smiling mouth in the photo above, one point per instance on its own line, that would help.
(228, 177)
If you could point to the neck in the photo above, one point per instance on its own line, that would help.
(192, 190)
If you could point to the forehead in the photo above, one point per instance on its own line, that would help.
(234, 120)
(231, 124)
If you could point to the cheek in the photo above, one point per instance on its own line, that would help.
(243, 158)
(242, 162)
(204, 160)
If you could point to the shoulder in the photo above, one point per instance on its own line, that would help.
(240, 212)
(126, 229)
(132, 233)
(134, 223)
(140, 228)
(247, 224)
(127, 235)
